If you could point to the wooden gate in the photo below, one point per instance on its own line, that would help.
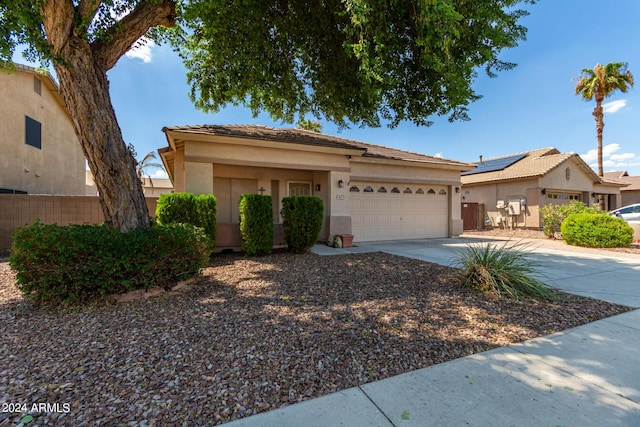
(469, 216)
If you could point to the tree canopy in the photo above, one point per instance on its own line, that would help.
(599, 83)
(350, 61)
(347, 60)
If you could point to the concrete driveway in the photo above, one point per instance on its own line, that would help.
(605, 275)
(586, 376)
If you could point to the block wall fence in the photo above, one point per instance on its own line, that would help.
(19, 210)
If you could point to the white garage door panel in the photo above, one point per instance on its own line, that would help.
(389, 216)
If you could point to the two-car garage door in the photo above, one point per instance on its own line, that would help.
(390, 211)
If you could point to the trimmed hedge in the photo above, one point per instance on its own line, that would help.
(553, 215)
(256, 224)
(596, 231)
(188, 208)
(80, 262)
(302, 218)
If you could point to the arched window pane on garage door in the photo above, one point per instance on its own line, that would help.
(395, 190)
(442, 192)
(382, 190)
(407, 191)
(419, 191)
(354, 189)
(368, 189)
(431, 191)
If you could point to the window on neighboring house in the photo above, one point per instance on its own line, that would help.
(33, 132)
(37, 85)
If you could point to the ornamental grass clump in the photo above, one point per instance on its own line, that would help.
(504, 271)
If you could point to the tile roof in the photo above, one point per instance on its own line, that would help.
(623, 176)
(536, 163)
(305, 137)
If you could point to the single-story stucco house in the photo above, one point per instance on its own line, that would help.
(509, 191)
(631, 193)
(369, 191)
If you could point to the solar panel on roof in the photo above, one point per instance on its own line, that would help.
(495, 164)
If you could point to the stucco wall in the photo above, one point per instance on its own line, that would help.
(489, 194)
(361, 169)
(578, 181)
(630, 197)
(235, 154)
(19, 210)
(59, 166)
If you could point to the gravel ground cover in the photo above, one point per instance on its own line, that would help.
(253, 335)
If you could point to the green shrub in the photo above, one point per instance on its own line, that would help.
(80, 262)
(596, 231)
(187, 208)
(206, 216)
(302, 218)
(504, 271)
(256, 224)
(553, 215)
(176, 208)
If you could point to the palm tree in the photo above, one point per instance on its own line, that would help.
(146, 163)
(311, 125)
(601, 82)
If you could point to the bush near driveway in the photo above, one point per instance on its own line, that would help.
(596, 231)
(553, 215)
(80, 262)
(504, 271)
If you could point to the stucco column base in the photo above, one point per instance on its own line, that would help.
(339, 225)
(456, 227)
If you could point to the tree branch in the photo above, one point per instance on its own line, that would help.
(118, 39)
(87, 10)
(57, 18)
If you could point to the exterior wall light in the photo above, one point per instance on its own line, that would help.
(457, 189)
(340, 183)
(543, 191)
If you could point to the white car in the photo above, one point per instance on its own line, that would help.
(628, 213)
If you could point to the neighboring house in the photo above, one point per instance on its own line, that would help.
(40, 151)
(369, 191)
(509, 190)
(631, 193)
(152, 187)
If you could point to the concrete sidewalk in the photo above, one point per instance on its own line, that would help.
(586, 376)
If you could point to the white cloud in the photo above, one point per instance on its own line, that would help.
(438, 155)
(141, 50)
(610, 160)
(159, 173)
(623, 156)
(614, 106)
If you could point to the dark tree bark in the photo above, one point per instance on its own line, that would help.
(82, 72)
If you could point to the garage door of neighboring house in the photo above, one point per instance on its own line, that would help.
(392, 211)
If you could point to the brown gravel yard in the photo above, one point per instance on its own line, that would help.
(254, 335)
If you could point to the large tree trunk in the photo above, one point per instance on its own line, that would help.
(85, 89)
(82, 71)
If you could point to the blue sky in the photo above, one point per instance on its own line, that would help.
(529, 107)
